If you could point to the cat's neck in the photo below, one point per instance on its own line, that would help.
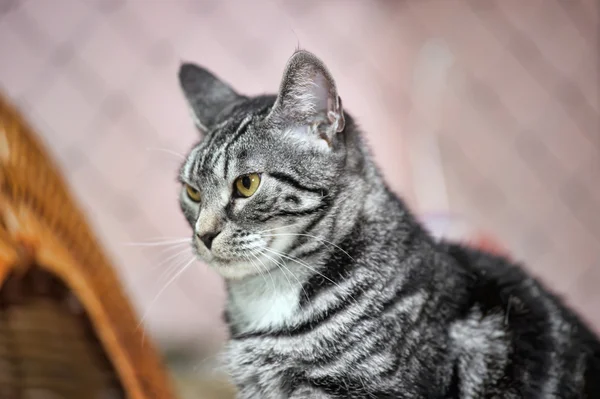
(264, 302)
(271, 301)
(367, 214)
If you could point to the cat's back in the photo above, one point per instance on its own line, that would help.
(548, 350)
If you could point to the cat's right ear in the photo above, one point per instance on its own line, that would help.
(308, 101)
(206, 94)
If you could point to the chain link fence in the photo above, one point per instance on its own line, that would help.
(484, 109)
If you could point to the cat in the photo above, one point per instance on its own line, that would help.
(335, 290)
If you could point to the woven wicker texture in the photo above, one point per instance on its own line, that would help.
(49, 262)
(48, 348)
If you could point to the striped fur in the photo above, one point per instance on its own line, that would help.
(335, 290)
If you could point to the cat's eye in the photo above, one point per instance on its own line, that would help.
(247, 185)
(192, 193)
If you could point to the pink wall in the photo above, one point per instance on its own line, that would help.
(486, 109)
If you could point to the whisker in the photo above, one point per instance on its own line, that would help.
(159, 243)
(173, 267)
(179, 273)
(268, 272)
(212, 362)
(261, 273)
(165, 150)
(150, 272)
(281, 227)
(305, 265)
(282, 264)
(170, 257)
(255, 266)
(163, 238)
(311, 236)
(272, 280)
(285, 275)
(174, 247)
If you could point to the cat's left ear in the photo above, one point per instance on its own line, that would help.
(308, 98)
(208, 96)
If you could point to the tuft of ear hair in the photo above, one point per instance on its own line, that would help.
(206, 94)
(308, 98)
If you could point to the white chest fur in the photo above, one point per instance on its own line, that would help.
(264, 301)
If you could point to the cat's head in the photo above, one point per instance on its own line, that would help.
(265, 175)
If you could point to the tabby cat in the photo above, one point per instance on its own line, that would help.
(334, 289)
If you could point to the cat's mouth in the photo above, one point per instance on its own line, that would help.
(241, 260)
(235, 253)
(218, 260)
(236, 268)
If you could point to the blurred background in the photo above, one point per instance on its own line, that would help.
(483, 114)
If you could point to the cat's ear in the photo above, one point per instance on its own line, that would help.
(207, 95)
(308, 98)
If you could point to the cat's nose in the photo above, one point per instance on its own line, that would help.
(208, 238)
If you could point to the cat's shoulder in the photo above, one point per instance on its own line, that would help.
(496, 273)
(536, 319)
(495, 285)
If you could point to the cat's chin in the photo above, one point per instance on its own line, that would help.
(233, 270)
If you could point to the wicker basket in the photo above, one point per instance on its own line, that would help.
(67, 330)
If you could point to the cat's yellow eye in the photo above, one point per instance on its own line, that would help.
(247, 185)
(192, 193)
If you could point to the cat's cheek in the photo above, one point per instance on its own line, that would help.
(282, 242)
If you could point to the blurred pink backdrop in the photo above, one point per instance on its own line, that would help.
(484, 109)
